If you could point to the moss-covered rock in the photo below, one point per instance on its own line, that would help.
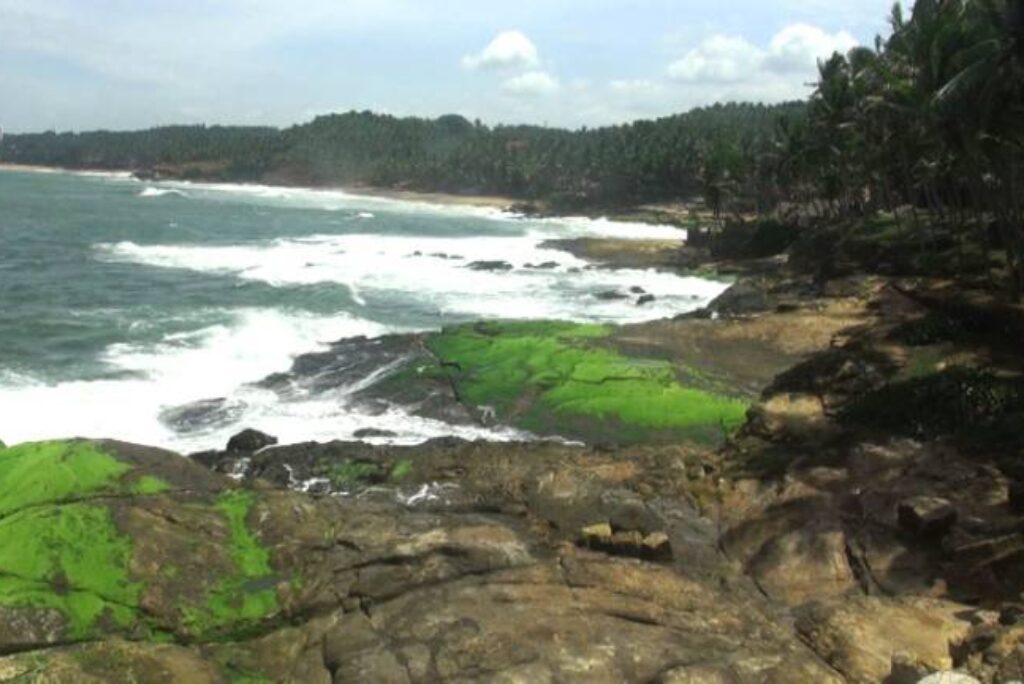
(100, 538)
(566, 379)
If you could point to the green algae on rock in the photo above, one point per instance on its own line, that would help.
(566, 379)
(94, 541)
(237, 600)
(58, 549)
(51, 472)
(69, 558)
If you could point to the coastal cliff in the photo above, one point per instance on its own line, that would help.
(861, 521)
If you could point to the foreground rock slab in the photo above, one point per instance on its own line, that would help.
(195, 579)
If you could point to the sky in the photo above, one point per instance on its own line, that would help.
(127, 64)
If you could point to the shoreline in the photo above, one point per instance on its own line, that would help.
(441, 198)
(674, 214)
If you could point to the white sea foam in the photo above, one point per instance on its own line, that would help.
(330, 199)
(427, 273)
(436, 274)
(218, 361)
(161, 192)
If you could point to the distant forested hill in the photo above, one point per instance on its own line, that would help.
(677, 156)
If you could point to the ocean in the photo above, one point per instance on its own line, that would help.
(121, 300)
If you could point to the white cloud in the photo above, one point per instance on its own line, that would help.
(799, 46)
(719, 59)
(531, 83)
(509, 49)
(731, 67)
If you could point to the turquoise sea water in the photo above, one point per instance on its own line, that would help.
(120, 299)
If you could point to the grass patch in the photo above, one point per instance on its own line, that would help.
(552, 377)
(402, 469)
(349, 473)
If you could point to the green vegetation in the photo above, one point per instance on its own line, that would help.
(956, 400)
(61, 547)
(70, 558)
(352, 472)
(676, 156)
(560, 378)
(927, 128)
(349, 472)
(49, 472)
(402, 469)
(57, 550)
(241, 599)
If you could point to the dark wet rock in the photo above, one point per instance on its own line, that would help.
(489, 266)
(201, 415)
(1016, 497)
(610, 295)
(346, 364)
(373, 432)
(644, 299)
(1012, 614)
(250, 440)
(927, 516)
(636, 289)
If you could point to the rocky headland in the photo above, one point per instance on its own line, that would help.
(816, 479)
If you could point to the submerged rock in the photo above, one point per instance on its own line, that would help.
(489, 266)
(644, 299)
(202, 414)
(373, 432)
(610, 295)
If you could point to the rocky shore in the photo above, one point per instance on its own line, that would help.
(852, 510)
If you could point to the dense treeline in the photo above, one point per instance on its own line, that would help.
(928, 126)
(237, 151)
(671, 157)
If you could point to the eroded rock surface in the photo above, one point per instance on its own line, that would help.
(201, 580)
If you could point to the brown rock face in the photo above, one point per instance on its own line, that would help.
(480, 579)
(862, 636)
